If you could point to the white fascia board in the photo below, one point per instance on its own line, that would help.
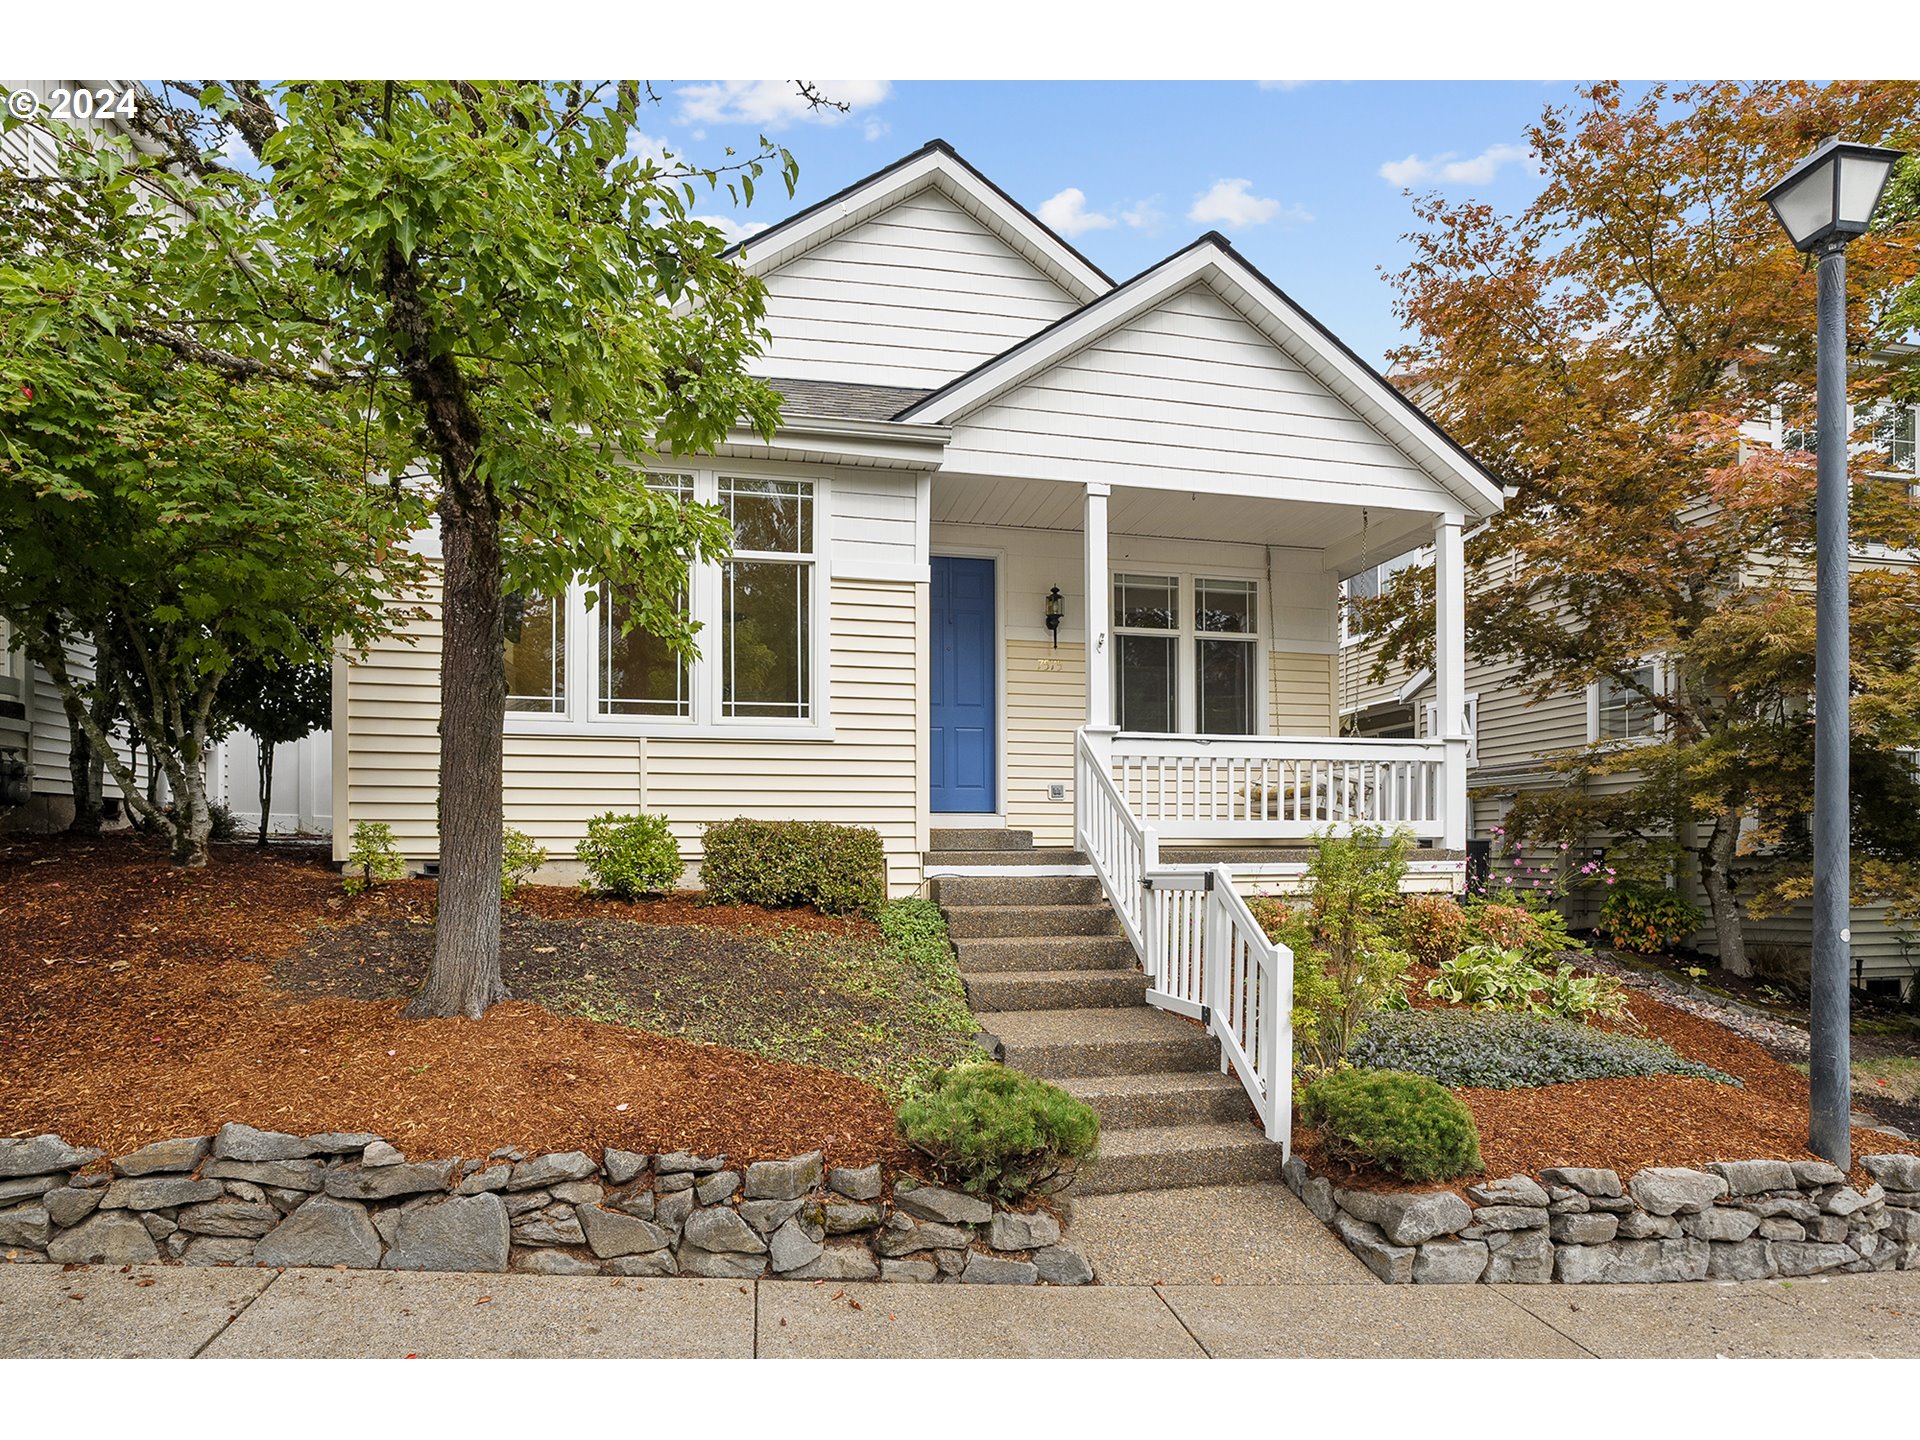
(1416, 682)
(885, 443)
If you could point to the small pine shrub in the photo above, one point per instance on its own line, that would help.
(375, 856)
(1501, 1050)
(837, 869)
(220, 822)
(999, 1133)
(1432, 929)
(1388, 1120)
(629, 855)
(519, 859)
(1647, 919)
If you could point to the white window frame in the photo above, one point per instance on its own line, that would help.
(1384, 571)
(582, 717)
(1661, 685)
(1472, 706)
(1187, 637)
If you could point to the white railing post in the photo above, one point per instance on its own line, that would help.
(1450, 673)
(1099, 608)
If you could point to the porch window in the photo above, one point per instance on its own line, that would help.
(766, 617)
(639, 674)
(1159, 640)
(1893, 432)
(536, 629)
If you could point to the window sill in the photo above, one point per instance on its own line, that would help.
(665, 729)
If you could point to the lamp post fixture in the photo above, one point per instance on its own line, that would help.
(1822, 203)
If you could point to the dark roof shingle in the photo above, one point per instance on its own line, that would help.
(845, 399)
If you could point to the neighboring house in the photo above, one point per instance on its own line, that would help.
(1515, 735)
(1021, 525)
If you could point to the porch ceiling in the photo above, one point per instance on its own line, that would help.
(1335, 530)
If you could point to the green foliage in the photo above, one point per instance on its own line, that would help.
(1345, 961)
(519, 858)
(1432, 928)
(1507, 1051)
(1648, 919)
(998, 1132)
(630, 855)
(220, 822)
(375, 856)
(837, 869)
(1388, 1120)
(927, 981)
(1487, 977)
(1536, 929)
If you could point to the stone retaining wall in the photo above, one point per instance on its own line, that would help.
(1739, 1220)
(256, 1197)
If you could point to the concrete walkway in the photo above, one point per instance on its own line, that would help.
(180, 1312)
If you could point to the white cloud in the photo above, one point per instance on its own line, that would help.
(1144, 214)
(774, 104)
(642, 146)
(1233, 203)
(1450, 169)
(875, 129)
(731, 228)
(1067, 212)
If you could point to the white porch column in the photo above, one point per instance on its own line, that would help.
(1450, 672)
(1099, 611)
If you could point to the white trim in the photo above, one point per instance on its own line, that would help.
(1661, 684)
(1284, 324)
(1416, 682)
(853, 570)
(937, 818)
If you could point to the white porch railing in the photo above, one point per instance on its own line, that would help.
(1204, 954)
(1257, 787)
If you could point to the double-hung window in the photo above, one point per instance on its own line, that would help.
(1622, 711)
(1186, 654)
(755, 615)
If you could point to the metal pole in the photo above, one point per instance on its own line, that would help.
(1830, 1133)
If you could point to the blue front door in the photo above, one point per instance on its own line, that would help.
(965, 730)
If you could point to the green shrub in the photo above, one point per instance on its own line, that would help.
(220, 822)
(1488, 978)
(997, 1132)
(519, 858)
(1388, 1120)
(1647, 919)
(1537, 929)
(376, 856)
(629, 855)
(1345, 963)
(1573, 996)
(1505, 1051)
(837, 869)
(1432, 928)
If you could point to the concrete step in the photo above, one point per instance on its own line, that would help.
(980, 955)
(1001, 859)
(1186, 1097)
(1167, 1157)
(1018, 890)
(1046, 921)
(957, 839)
(1134, 1041)
(1055, 989)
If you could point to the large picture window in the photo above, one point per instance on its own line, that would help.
(755, 615)
(1186, 654)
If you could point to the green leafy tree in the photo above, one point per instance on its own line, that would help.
(279, 704)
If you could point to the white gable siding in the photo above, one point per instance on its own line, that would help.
(877, 532)
(1190, 392)
(919, 294)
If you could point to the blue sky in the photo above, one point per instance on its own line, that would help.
(1293, 175)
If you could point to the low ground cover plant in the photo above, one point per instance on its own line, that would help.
(1487, 977)
(374, 855)
(627, 856)
(1647, 919)
(1502, 1050)
(837, 869)
(1000, 1133)
(1390, 1120)
(519, 859)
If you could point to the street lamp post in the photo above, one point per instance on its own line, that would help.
(1822, 203)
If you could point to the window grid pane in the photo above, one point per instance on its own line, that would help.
(767, 628)
(1146, 683)
(639, 673)
(1146, 602)
(1224, 607)
(769, 517)
(536, 654)
(1225, 703)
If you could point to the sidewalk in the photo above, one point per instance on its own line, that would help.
(180, 1312)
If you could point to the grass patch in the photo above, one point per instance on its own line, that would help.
(1895, 1076)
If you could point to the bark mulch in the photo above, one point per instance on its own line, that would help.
(1629, 1124)
(136, 1003)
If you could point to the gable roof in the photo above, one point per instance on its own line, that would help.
(844, 399)
(1294, 331)
(939, 165)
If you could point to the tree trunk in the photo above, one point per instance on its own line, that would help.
(80, 770)
(1716, 878)
(465, 976)
(266, 785)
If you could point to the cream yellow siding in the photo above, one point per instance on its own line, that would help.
(1301, 690)
(1046, 704)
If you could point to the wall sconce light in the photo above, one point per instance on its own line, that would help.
(1056, 607)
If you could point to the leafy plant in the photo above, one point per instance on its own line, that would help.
(519, 859)
(1507, 1051)
(376, 856)
(1345, 961)
(1389, 1120)
(837, 869)
(1648, 919)
(1574, 996)
(998, 1132)
(1489, 978)
(629, 855)
(1515, 924)
(1432, 928)
(220, 822)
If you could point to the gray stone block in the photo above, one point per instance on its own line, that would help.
(243, 1142)
(1450, 1262)
(546, 1228)
(552, 1169)
(901, 1236)
(717, 1187)
(1638, 1225)
(551, 1262)
(671, 1211)
(660, 1262)
(721, 1230)
(1408, 1219)
(1631, 1262)
(624, 1166)
(484, 1182)
(1778, 1227)
(1587, 1182)
(1526, 1259)
(637, 1203)
(913, 1272)
(42, 1155)
(1896, 1172)
(340, 1142)
(1063, 1265)
(324, 1231)
(1514, 1190)
(1811, 1174)
(1674, 1190)
(159, 1192)
(611, 1234)
(164, 1156)
(68, 1206)
(279, 1174)
(1392, 1263)
(27, 1225)
(844, 1219)
(1744, 1260)
(111, 1237)
(840, 1262)
(580, 1192)
(719, 1264)
(384, 1182)
(931, 1202)
(379, 1153)
(1513, 1217)
(1316, 1193)
(864, 1183)
(1754, 1177)
(1012, 1230)
(1721, 1223)
(1810, 1258)
(1584, 1229)
(460, 1232)
(989, 1270)
(792, 1247)
(29, 1187)
(681, 1163)
(229, 1219)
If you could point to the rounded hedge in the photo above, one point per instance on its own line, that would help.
(837, 869)
(1389, 1120)
(998, 1132)
(630, 855)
